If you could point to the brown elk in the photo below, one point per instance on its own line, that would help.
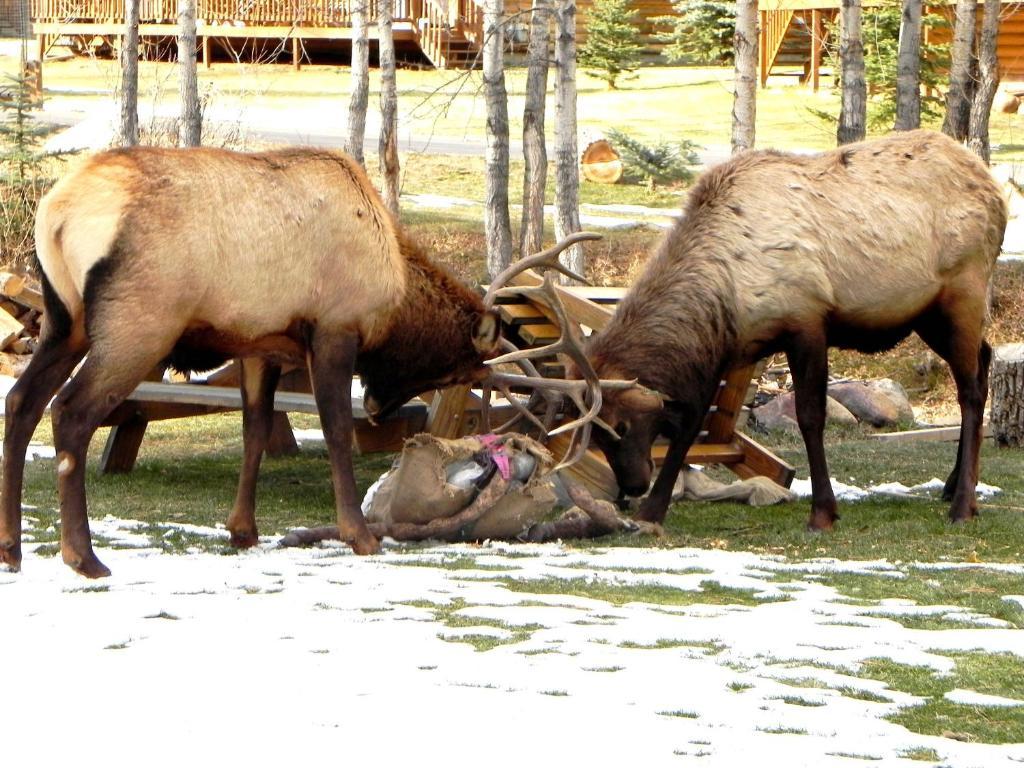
(190, 257)
(853, 248)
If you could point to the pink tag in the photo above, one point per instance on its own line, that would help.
(498, 455)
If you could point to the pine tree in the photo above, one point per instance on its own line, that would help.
(611, 48)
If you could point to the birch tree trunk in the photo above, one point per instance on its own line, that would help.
(191, 131)
(535, 153)
(908, 69)
(388, 146)
(988, 82)
(360, 98)
(497, 225)
(958, 97)
(567, 169)
(128, 130)
(744, 101)
(853, 117)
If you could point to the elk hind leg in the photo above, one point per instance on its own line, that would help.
(61, 347)
(259, 381)
(954, 332)
(110, 373)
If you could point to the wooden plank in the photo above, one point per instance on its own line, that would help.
(204, 29)
(447, 415)
(930, 434)
(519, 314)
(758, 460)
(536, 334)
(729, 403)
(580, 309)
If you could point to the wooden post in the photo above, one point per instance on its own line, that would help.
(123, 445)
(1006, 383)
(763, 47)
(39, 69)
(296, 54)
(206, 52)
(817, 33)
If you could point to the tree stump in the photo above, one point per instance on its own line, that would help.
(1006, 384)
(601, 163)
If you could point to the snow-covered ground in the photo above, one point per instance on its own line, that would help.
(306, 657)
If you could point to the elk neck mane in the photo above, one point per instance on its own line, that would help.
(687, 284)
(434, 320)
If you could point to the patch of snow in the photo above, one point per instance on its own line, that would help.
(975, 699)
(345, 647)
(844, 492)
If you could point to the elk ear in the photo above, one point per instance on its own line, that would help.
(485, 336)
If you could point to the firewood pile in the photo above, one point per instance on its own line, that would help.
(22, 304)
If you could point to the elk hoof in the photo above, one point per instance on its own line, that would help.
(87, 565)
(962, 516)
(821, 520)
(10, 555)
(365, 545)
(651, 513)
(244, 539)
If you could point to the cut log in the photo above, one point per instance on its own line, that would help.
(11, 284)
(1006, 383)
(601, 163)
(10, 329)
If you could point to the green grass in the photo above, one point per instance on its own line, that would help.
(998, 674)
(449, 615)
(711, 592)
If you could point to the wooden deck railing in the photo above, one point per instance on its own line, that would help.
(775, 25)
(471, 21)
(319, 13)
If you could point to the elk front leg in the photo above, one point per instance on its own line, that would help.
(331, 361)
(808, 361)
(259, 381)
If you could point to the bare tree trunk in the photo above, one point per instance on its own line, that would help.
(744, 100)
(191, 132)
(128, 131)
(988, 82)
(908, 69)
(535, 153)
(1007, 387)
(958, 98)
(853, 117)
(497, 225)
(567, 169)
(388, 146)
(360, 98)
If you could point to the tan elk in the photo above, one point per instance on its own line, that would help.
(190, 257)
(853, 248)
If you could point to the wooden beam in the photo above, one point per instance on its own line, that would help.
(817, 34)
(122, 446)
(296, 54)
(206, 52)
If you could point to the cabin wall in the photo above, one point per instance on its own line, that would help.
(1010, 43)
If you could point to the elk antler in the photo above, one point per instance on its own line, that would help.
(586, 394)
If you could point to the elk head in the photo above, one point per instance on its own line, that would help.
(441, 335)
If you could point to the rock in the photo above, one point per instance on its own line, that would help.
(837, 413)
(881, 403)
(780, 413)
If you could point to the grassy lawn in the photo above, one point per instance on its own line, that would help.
(662, 103)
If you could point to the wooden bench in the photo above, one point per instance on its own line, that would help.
(157, 401)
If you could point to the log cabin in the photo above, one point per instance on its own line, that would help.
(793, 34)
(442, 33)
